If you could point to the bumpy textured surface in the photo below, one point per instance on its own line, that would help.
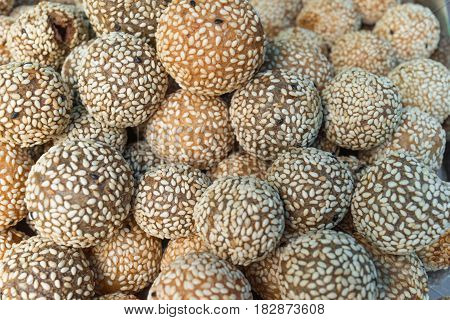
(436, 256)
(141, 158)
(179, 247)
(8, 238)
(5, 24)
(117, 296)
(373, 10)
(240, 164)
(309, 38)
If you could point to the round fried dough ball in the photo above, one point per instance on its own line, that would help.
(436, 256)
(5, 24)
(309, 38)
(8, 238)
(373, 10)
(239, 164)
(141, 158)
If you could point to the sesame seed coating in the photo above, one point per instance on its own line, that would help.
(121, 82)
(400, 205)
(309, 38)
(17, 11)
(329, 18)
(326, 265)
(425, 84)
(210, 47)
(8, 238)
(419, 134)
(141, 158)
(165, 200)
(46, 33)
(412, 30)
(118, 296)
(363, 49)
(241, 219)
(441, 53)
(37, 268)
(276, 110)
(5, 25)
(35, 104)
(373, 10)
(200, 276)
(239, 164)
(315, 186)
(436, 256)
(191, 129)
(6, 6)
(128, 261)
(362, 110)
(79, 192)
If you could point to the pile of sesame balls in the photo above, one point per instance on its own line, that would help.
(222, 149)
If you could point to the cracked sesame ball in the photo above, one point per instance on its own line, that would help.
(425, 84)
(412, 30)
(276, 17)
(6, 6)
(139, 17)
(308, 38)
(79, 192)
(141, 158)
(329, 18)
(372, 10)
(5, 25)
(37, 268)
(200, 276)
(46, 34)
(15, 164)
(400, 205)
(315, 186)
(128, 261)
(118, 296)
(191, 129)
(9, 238)
(165, 200)
(441, 53)
(436, 256)
(121, 82)
(361, 110)
(418, 134)
(276, 110)
(35, 104)
(239, 164)
(210, 47)
(241, 219)
(326, 265)
(363, 49)
(292, 55)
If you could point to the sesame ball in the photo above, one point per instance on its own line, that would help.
(441, 53)
(6, 6)
(239, 164)
(128, 261)
(121, 82)
(372, 10)
(241, 219)
(418, 134)
(165, 200)
(210, 47)
(46, 34)
(8, 238)
(35, 106)
(118, 296)
(79, 192)
(294, 56)
(424, 83)
(412, 30)
(276, 17)
(37, 268)
(200, 276)
(15, 164)
(400, 205)
(329, 18)
(363, 49)
(5, 25)
(436, 256)
(309, 38)
(141, 158)
(139, 17)
(315, 186)
(326, 265)
(276, 110)
(191, 129)
(362, 110)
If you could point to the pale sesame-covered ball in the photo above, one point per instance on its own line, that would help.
(412, 30)
(15, 164)
(37, 268)
(326, 265)
(400, 205)
(307, 62)
(363, 49)
(128, 261)
(6, 6)
(191, 129)
(46, 34)
(419, 134)
(210, 47)
(330, 18)
(277, 16)
(35, 105)
(165, 200)
(5, 24)
(241, 219)
(425, 84)
(361, 110)
(240, 164)
(200, 276)
(315, 186)
(118, 296)
(372, 10)
(309, 38)
(9, 238)
(441, 54)
(436, 256)
(141, 158)
(79, 192)
(276, 110)
(121, 82)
